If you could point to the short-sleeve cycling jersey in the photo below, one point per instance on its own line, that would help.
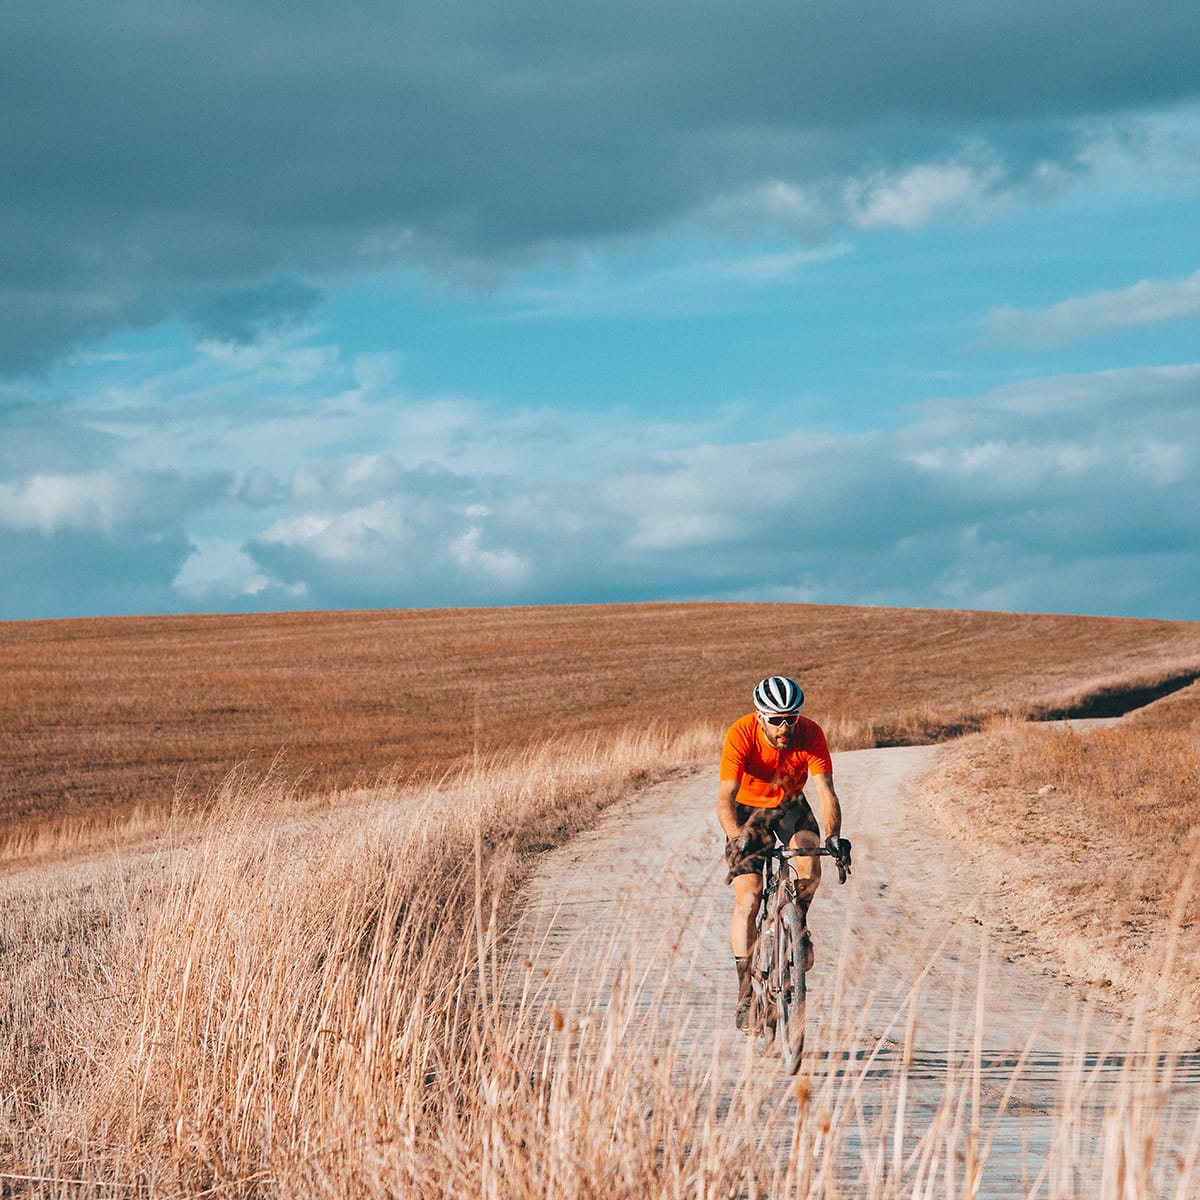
(768, 776)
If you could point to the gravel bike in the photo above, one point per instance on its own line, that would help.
(780, 956)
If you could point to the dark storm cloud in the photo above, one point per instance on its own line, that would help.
(220, 163)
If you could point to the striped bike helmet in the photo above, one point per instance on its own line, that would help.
(778, 694)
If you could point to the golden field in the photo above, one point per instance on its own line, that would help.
(295, 988)
(107, 717)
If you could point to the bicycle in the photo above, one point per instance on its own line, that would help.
(780, 955)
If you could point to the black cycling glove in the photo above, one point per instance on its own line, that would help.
(840, 849)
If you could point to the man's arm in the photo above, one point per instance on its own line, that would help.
(831, 806)
(726, 810)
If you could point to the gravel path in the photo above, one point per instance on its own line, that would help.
(925, 1017)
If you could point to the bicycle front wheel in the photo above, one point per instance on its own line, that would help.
(791, 962)
(764, 977)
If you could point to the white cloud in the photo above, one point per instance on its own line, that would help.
(684, 282)
(770, 268)
(503, 566)
(671, 529)
(1010, 494)
(1128, 398)
(97, 542)
(368, 473)
(377, 372)
(345, 537)
(1161, 462)
(48, 503)
(1015, 467)
(1146, 302)
(283, 358)
(304, 529)
(777, 204)
(106, 502)
(408, 542)
(219, 568)
(987, 500)
(1075, 462)
(913, 196)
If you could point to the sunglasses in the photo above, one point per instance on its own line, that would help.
(781, 719)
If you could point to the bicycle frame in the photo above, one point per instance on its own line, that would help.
(780, 953)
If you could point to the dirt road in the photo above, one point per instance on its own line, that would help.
(928, 1015)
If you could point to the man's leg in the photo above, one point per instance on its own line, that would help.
(799, 829)
(747, 890)
(744, 874)
(807, 868)
(808, 879)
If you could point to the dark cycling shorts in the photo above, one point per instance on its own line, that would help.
(762, 826)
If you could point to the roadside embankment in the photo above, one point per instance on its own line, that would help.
(1089, 845)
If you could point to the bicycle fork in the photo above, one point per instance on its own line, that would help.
(784, 934)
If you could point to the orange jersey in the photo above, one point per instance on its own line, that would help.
(766, 775)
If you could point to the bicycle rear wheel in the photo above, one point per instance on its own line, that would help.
(792, 954)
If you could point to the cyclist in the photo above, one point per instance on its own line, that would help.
(768, 758)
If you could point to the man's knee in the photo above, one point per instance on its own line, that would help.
(806, 886)
(807, 870)
(747, 891)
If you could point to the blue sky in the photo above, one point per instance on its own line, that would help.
(380, 305)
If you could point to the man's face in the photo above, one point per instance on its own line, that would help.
(779, 735)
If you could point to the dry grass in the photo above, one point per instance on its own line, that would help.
(289, 1001)
(101, 719)
(274, 982)
(1135, 783)
(1178, 711)
(1092, 841)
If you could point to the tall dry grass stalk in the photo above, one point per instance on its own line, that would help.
(330, 1004)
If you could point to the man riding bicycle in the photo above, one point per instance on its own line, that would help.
(768, 757)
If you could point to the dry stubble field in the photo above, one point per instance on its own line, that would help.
(99, 718)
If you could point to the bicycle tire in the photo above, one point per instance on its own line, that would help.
(790, 959)
(762, 983)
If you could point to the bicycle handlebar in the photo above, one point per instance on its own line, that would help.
(843, 866)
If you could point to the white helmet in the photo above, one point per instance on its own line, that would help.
(778, 694)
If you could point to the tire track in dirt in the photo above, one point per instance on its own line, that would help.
(912, 987)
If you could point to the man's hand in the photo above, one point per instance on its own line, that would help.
(738, 851)
(839, 847)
